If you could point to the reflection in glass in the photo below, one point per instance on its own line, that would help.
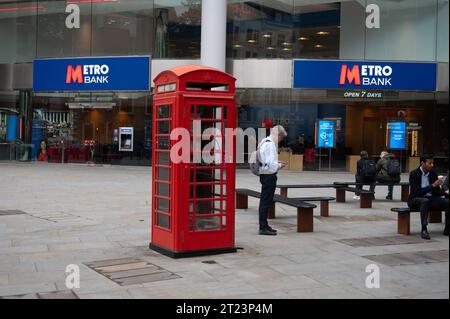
(178, 29)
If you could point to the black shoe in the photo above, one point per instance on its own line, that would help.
(446, 231)
(425, 235)
(389, 197)
(267, 232)
(271, 229)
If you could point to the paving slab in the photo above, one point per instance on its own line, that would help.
(107, 217)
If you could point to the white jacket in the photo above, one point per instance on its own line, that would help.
(268, 156)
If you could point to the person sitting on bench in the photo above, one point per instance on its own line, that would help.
(426, 194)
(388, 168)
(366, 173)
(268, 154)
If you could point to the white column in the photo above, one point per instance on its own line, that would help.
(214, 33)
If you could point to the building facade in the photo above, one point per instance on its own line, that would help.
(269, 45)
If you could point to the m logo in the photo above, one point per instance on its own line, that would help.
(74, 75)
(353, 76)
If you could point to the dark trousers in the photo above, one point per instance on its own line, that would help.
(268, 186)
(390, 189)
(427, 204)
(359, 187)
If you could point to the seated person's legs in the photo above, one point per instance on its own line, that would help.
(441, 204)
(422, 204)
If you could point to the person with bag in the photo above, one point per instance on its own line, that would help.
(389, 172)
(366, 173)
(269, 166)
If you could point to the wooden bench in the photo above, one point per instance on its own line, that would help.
(284, 188)
(404, 219)
(324, 203)
(366, 196)
(305, 211)
(403, 185)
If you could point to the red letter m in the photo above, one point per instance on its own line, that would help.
(74, 75)
(352, 75)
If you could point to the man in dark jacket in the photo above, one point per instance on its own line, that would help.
(426, 194)
(383, 176)
(365, 174)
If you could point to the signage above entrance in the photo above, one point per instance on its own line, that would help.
(366, 75)
(92, 74)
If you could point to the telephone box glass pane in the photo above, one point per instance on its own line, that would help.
(205, 191)
(163, 174)
(163, 142)
(162, 205)
(163, 190)
(162, 220)
(164, 158)
(208, 223)
(164, 127)
(164, 112)
(207, 112)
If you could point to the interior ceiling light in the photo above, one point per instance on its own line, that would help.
(303, 38)
(323, 33)
(267, 35)
(251, 41)
(318, 46)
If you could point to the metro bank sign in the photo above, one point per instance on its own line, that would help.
(367, 75)
(92, 74)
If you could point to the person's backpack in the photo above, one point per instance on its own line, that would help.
(254, 161)
(369, 170)
(393, 167)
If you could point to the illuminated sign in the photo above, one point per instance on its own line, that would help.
(326, 134)
(397, 134)
(323, 74)
(92, 74)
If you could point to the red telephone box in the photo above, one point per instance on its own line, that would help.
(193, 202)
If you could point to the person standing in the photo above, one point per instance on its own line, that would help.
(426, 194)
(388, 168)
(269, 168)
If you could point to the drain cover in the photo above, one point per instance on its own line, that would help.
(131, 271)
(11, 212)
(45, 295)
(414, 258)
(383, 241)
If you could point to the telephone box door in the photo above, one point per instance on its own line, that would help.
(209, 194)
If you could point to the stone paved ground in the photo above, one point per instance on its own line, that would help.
(79, 214)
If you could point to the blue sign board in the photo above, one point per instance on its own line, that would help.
(326, 133)
(366, 75)
(397, 132)
(92, 74)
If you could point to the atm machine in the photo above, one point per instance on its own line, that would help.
(126, 138)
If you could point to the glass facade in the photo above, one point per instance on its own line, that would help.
(414, 30)
(82, 127)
